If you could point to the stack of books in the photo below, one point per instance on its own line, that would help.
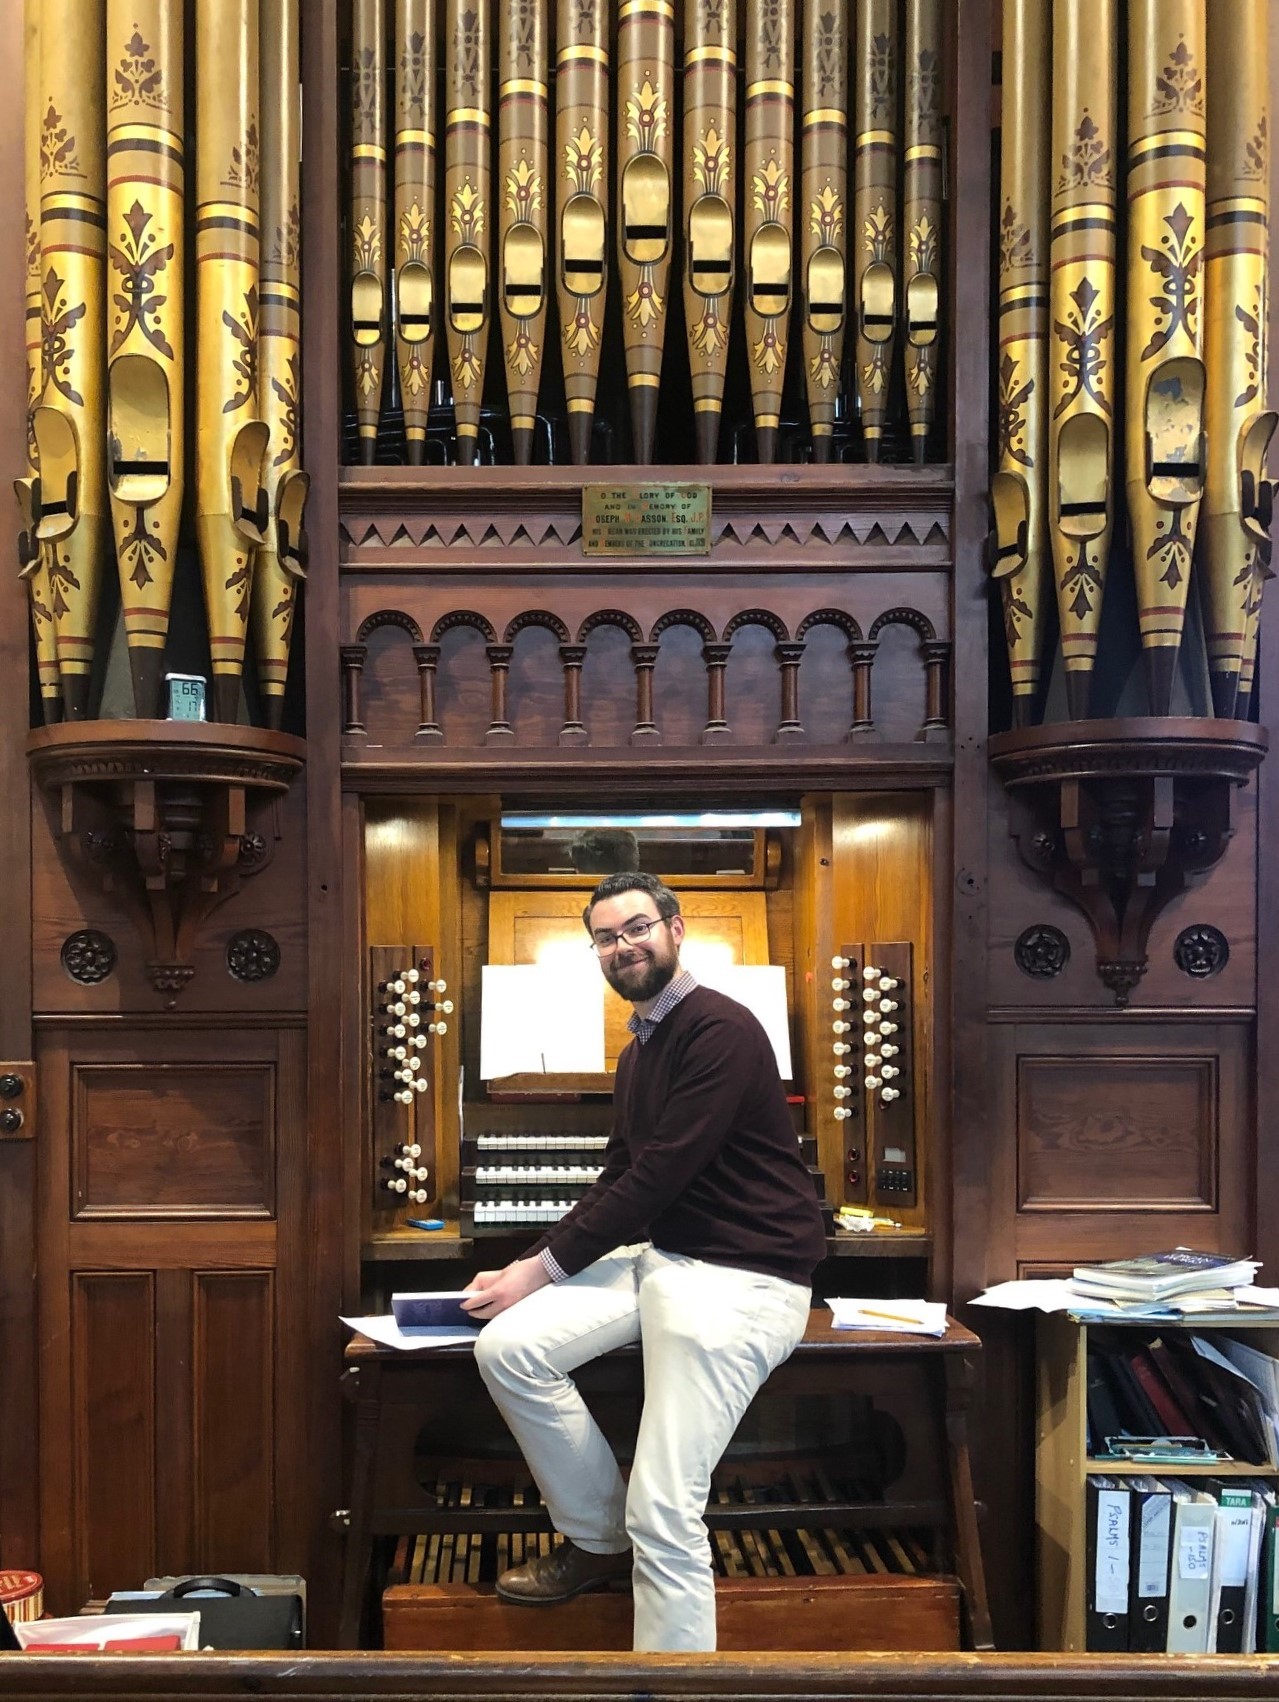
(1180, 1281)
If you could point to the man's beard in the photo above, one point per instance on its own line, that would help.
(640, 981)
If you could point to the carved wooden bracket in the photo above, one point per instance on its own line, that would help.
(1122, 816)
(157, 812)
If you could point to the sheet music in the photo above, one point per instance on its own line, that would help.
(541, 1019)
(761, 987)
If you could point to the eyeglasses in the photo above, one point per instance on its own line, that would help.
(633, 934)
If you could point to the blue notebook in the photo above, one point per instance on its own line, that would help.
(440, 1309)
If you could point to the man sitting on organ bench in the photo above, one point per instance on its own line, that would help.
(698, 1240)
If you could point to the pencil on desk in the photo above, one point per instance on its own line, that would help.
(892, 1317)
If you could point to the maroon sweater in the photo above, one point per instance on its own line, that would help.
(703, 1158)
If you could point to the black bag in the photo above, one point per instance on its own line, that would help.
(235, 1618)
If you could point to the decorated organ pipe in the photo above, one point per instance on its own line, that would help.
(468, 216)
(823, 210)
(1082, 356)
(416, 292)
(523, 205)
(71, 504)
(1235, 559)
(581, 154)
(875, 245)
(1022, 560)
(33, 556)
(146, 188)
(710, 147)
(768, 242)
(921, 218)
(370, 316)
(231, 438)
(281, 561)
(645, 200)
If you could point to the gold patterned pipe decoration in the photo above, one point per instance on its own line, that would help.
(1083, 164)
(416, 294)
(281, 561)
(710, 144)
(875, 258)
(823, 210)
(522, 121)
(1164, 424)
(370, 318)
(581, 153)
(768, 235)
(146, 436)
(1019, 494)
(71, 506)
(1235, 556)
(645, 200)
(921, 218)
(467, 174)
(231, 439)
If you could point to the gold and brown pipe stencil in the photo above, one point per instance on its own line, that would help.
(1084, 160)
(416, 294)
(1234, 552)
(231, 438)
(581, 154)
(72, 508)
(768, 233)
(921, 219)
(1019, 494)
(523, 157)
(146, 192)
(280, 565)
(710, 143)
(370, 318)
(877, 140)
(645, 200)
(467, 184)
(823, 210)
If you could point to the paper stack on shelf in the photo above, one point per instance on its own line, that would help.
(908, 1317)
(1154, 1278)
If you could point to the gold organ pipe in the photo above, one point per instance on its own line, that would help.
(581, 154)
(1239, 424)
(1019, 494)
(1084, 157)
(416, 291)
(921, 218)
(369, 315)
(522, 120)
(146, 437)
(710, 144)
(33, 556)
(72, 506)
(875, 258)
(231, 440)
(645, 200)
(467, 175)
(768, 240)
(823, 210)
(281, 561)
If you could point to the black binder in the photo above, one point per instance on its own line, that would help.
(1109, 1556)
(1152, 1524)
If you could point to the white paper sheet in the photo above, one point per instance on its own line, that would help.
(907, 1317)
(541, 1019)
(1040, 1294)
(761, 987)
(387, 1333)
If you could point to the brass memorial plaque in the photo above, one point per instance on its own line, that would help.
(646, 520)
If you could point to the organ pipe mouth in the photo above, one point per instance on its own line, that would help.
(1010, 504)
(138, 460)
(57, 490)
(1174, 412)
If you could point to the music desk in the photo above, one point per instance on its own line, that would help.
(399, 1395)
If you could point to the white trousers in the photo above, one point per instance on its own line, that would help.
(710, 1336)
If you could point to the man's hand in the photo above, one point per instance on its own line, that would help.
(492, 1292)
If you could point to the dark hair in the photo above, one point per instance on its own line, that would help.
(612, 886)
(604, 850)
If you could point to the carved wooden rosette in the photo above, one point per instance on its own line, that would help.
(281, 561)
(1236, 339)
(146, 427)
(710, 148)
(71, 505)
(231, 439)
(922, 218)
(416, 295)
(33, 557)
(467, 175)
(768, 240)
(581, 164)
(370, 317)
(876, 262)
(823, 210)
(645, 204)
(523, 208)
(1082, 353)
(1165, 372)
(1019, 495)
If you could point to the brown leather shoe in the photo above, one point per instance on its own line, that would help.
(565, 1572)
